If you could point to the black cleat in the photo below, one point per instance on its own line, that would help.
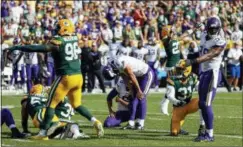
(128, 127)
(17, 134)
(183, 132)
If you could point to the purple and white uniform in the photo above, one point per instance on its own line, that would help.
(122, 113)
(32, 68)
(209, 77)
(50, 69)
(18, 68)
(126, 51)
(145, 78)
(153, 53)
(139, 53)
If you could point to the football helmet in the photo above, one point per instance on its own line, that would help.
(65, 27)
(108, 73)
(181, 70)
(37, 89)
(16, 41)
(166, 31)
(213, 27)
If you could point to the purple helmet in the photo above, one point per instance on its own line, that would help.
(213, 26)
(16, 41)
(108, 73)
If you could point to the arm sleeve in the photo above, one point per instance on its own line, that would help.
(31, 48)
(112, 94)
(170, 93)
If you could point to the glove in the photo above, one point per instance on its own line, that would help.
(164, 106)
(156, 64)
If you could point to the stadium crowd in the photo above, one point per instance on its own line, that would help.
(101, 25)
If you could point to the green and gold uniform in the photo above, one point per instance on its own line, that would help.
(67, 64)
(36, 109)
(183, 92)
(172, 50)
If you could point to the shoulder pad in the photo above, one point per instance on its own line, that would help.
(170, 81)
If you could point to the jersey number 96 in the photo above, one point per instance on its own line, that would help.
(72, 51)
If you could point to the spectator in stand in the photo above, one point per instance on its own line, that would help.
(234, 64)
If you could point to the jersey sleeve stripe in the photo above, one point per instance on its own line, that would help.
(53, 89)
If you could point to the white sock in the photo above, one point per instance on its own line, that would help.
(201, 118)
(164, 106)
(12, 126)
(210, 132)
(75, 129)
(141, 122)
(42, 132)
(131, 122)
(93, 119)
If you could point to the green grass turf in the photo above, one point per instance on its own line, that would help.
(228, 125)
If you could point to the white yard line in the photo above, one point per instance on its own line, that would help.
(6, 144)
(22, 140)
(193, 134)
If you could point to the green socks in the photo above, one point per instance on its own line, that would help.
(84, 112)
(48, 118)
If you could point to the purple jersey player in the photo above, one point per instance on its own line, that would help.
(141, 77)
(7, 118)
(32, 68)
(123, 96)
(18, 66)
(212, 49)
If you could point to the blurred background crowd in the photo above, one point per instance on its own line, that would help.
(102, 24)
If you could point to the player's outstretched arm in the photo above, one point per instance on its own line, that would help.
(113, 93)
(211, 54)
(35, 48)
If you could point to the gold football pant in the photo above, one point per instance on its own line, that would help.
(179, 114)
(67, 85)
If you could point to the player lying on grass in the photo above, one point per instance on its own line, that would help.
(141, 77)
(7, 118)
(34, 105)
(179, 93)
(65, 51)
(123, 96)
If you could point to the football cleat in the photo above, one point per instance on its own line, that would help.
(204, 138)
(183, 132)
(17, 134)
(99, 128)
(81, 136)
(41, 136)
(138, 126)
(53, 128)
(128, 127)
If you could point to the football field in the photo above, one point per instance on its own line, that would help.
(227, 115)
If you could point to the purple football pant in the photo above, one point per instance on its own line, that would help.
(151, 65)
(7, 118)
(145, 83)
(207, 91)
(121, 116)
(32, 71)
(16, 70)
(50, 69)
